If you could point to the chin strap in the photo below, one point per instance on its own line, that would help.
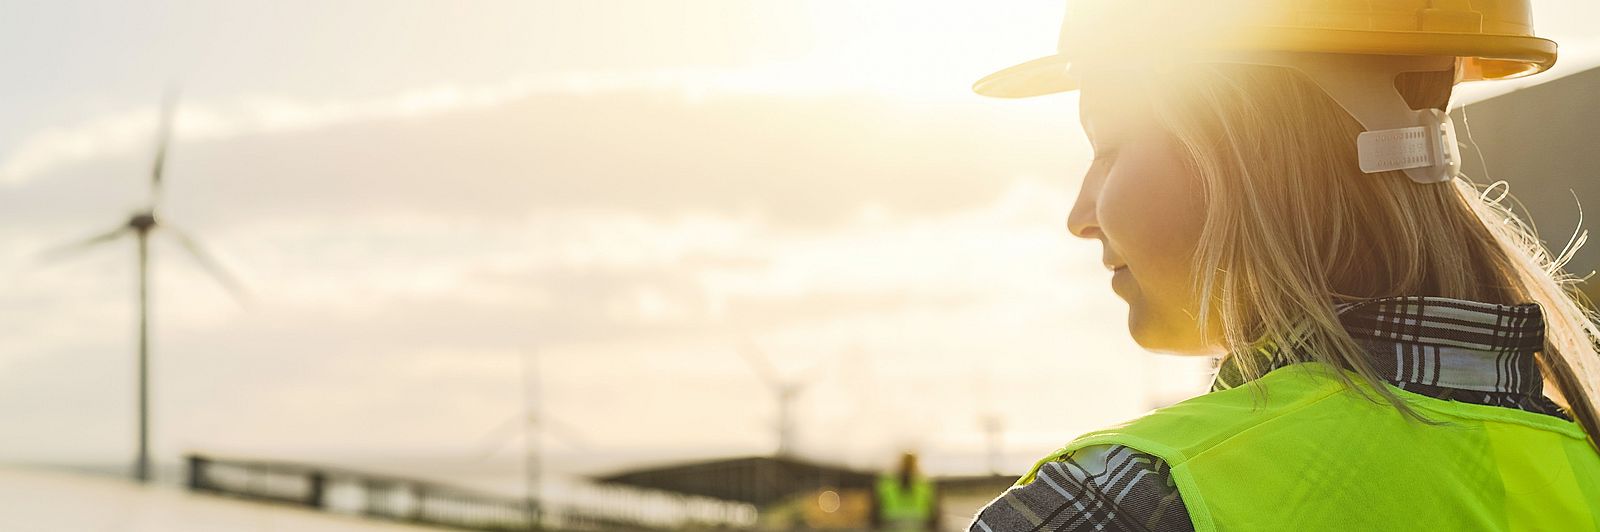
(1428, 153)
(1397, 137)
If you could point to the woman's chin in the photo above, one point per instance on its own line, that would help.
(1164, 338)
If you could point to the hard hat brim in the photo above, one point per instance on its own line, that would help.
(1045, 75)
(1487, 57)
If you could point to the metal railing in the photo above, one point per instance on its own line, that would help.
(417, 501)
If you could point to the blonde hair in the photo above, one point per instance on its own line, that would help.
(1294, 227)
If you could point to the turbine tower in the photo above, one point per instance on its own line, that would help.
(141, 224)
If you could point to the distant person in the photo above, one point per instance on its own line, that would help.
(904, 500)
(1276, 184)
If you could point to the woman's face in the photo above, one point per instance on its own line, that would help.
(1145, 206)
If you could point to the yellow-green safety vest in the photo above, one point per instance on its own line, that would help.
(904, 507)
(1313, 455)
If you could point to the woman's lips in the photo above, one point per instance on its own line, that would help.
(1121, 281)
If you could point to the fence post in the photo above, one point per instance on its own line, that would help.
(375, 505)
(420, 493)
(314, 492)
(197, 473)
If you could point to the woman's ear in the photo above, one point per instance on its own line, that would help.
(1426, 89)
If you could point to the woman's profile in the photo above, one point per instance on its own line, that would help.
(1276, 183)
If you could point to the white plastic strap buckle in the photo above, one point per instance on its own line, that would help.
(1422, 143)
(1428, 153)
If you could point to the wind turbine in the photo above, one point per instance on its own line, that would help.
(141, 224)
(788, 391)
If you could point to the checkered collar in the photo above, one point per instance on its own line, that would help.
(1437, 341)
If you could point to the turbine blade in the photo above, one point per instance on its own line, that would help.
(169, 107)
(835, 364)
(757, 359)
(498, 438)
(817, 371)
(565, 432)
(211, 265)
(514, 429)
(62, 251)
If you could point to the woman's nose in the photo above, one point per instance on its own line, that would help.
(1083, 221)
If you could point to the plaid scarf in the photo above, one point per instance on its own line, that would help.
(1447, 348)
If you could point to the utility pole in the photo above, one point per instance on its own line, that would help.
(993, 429)
(531, 464)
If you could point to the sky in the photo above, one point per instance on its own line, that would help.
(427, 202)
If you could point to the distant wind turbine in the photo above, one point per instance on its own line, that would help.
(787, 391)
(141, 224)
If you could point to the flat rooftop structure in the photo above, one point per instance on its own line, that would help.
(758, 480)
(763, 480)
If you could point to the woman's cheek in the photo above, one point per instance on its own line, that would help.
(1152, 210)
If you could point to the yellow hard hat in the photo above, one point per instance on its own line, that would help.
(1492, 39)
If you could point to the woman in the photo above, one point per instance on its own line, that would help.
(1397, 351)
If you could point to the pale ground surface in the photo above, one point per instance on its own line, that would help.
(46, 501)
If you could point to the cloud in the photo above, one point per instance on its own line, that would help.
(131, 132)
(631, 235)
(408, 328)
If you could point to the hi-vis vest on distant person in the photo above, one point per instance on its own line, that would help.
(1352, 49)
(904, 507)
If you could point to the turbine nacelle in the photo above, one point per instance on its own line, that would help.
(143, 221)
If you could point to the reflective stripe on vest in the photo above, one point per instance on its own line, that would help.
(904, 508)
(1311, 454)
